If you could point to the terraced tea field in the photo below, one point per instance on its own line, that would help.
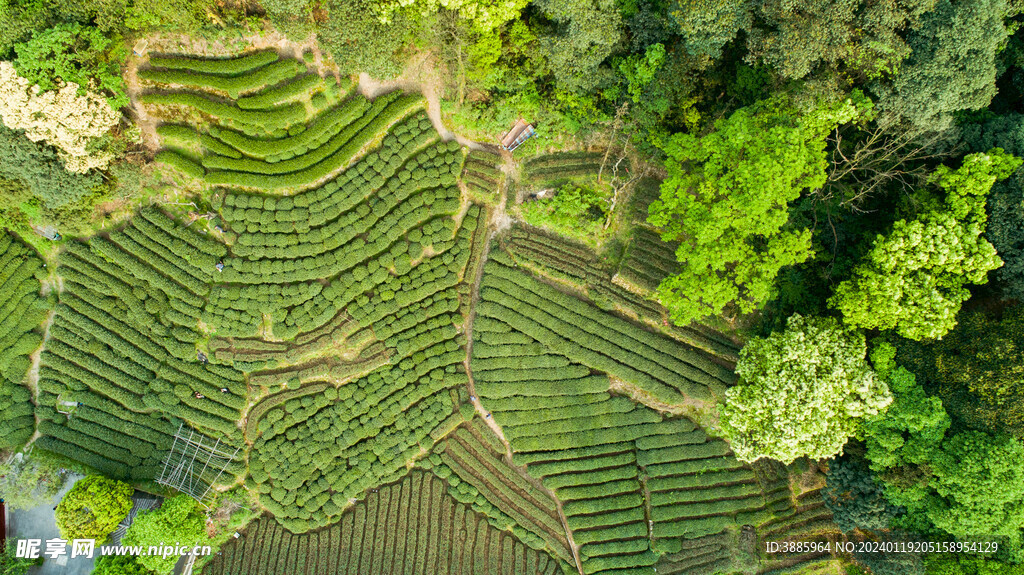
(22, 310)
(412, 526)
(410, 390)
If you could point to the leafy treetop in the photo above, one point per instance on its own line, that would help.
(911, 430)
(803, 392)
(914, 280)
(176, 522)
(75, 54)
(978, 488)
(979, 371)
(952, 65)
(483, 15)
(726, 200)
(93, 508)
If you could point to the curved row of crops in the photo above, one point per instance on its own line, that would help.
(412, 526)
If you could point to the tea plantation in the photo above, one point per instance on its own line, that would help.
(410, 388)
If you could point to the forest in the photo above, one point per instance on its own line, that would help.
(752, 274)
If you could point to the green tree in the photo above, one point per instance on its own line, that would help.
(795, 37)
(359, 42)
(706, 26)
(482, 15)
(1006, 218)
(185, 16)
(979, 371)
(979, 488)
(639, 71)
(176, 522)
(93, 508)
(726, 199)
(576, 211)
(11, 564)
(912, 429)
(952, 65)
(855, 498)
(25, 481)
(802, 392)
(73, 53)
(585, 33)
(914, 279)
(40, 170)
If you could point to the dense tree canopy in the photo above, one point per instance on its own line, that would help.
(860, 38)
(855, 497)
(176, 522)
(93, 508)
(979, 371)
(357, 40)
(707, 26)
(583, 35)
(912, 428)
(41, 171)
(23, 481)
(914, 279)
(952, 65)
(74, 121)
(803, 392)
(483, 15)
(979, 487)
(76, 54)
(727, 197)
(1006, 216)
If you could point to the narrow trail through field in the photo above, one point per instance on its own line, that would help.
(419, 76)
(498, 222)
(32, 381)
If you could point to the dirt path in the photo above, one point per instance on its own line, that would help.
(146, 123)
(32, 381)
(498, 221)
(700, 412)
(420, 75)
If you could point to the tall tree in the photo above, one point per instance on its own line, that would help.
(855, 498)
(584, 35)
(359, 42)
(979, 371)
(911, 431)
(854, 38)
(482, 15)
(708, 25)
(176, 522)
(952, 65)
(914, 279)
(93, 508)
(802, 392)
(1006, 202)
(40, 172)
(979, 488)
(75, 54)
(726, 200)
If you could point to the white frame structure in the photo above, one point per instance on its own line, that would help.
(187, 452)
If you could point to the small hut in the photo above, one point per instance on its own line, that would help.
(48, 232)
(141, 47)
(515, 137)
